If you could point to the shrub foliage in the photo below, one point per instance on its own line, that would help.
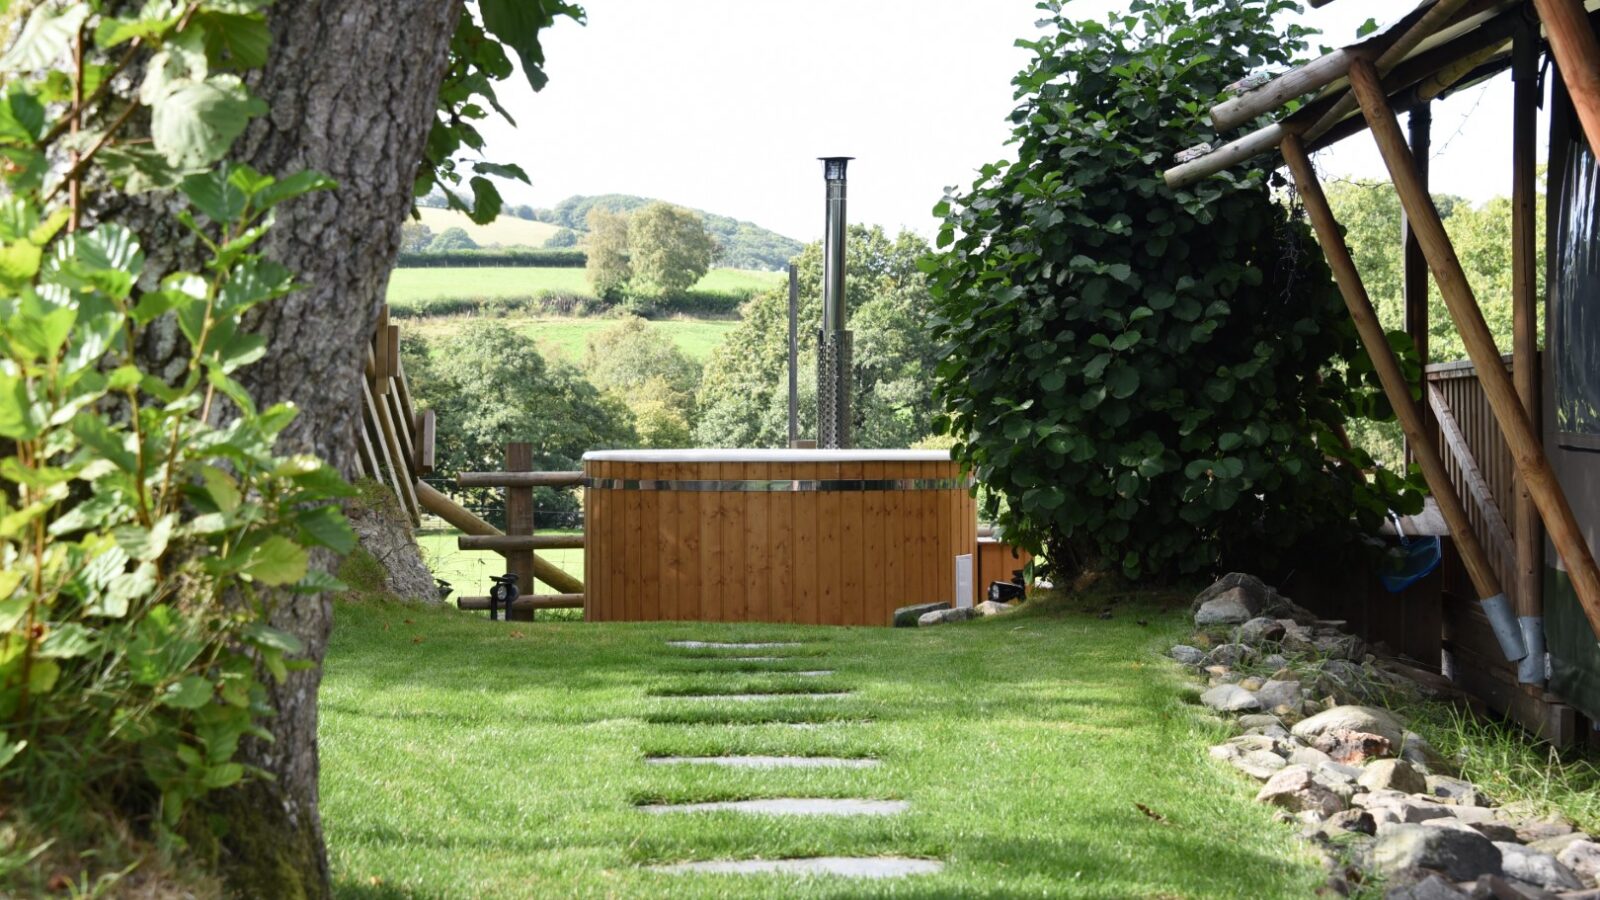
(1148, 378)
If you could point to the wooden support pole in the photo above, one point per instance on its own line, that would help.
(507, 543)
(1415, 266)
(1324, 70)
(1248, 147)
(519, 521)
(1390, 375)
(1527, 582)
(519, 479)
(1526, 449)
(527, 603)
(1577, 56)
(450, 511)
(427, 431)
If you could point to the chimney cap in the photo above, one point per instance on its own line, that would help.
(833, 166)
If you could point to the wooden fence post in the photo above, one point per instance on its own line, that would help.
(519, 521)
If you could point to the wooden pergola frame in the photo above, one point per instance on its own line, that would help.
(1440, 45)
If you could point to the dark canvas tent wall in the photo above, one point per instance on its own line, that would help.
(1572, 390)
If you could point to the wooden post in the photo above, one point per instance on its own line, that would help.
(1526, 449)
(445, 508)
(519, 522)
(1577, 56)
(1527, 581)
(1415, 274)
(1390, 375)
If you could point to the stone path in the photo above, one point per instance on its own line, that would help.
(836, 866)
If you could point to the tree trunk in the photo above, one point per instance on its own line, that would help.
(352, 88)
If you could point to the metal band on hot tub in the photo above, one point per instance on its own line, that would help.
(783, 486)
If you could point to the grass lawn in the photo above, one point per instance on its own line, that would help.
(412, 285)
(463, 758)
(569, 336)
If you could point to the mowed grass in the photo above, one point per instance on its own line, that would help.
(568, 336)
(410, 286)
(464, 758)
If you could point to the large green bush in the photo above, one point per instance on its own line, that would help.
(1148, 378)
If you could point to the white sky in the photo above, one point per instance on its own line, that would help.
(723, 105)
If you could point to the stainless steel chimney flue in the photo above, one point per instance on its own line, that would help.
(833, 340)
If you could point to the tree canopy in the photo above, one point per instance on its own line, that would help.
(669, 249)
(635, 364)
(1148, 378)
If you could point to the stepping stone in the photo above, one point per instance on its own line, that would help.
(753, 698)
(788, 806)
(715, 645)
(751, 658)
(766, 762)
(813, 673)
(843, 866)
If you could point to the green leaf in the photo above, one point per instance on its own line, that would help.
(67, 641)
(189, 692)
(225, 775)
(276, 561)
(263, 635)
(221, 488)
(1123, 381)
(326, 526)
(9, 751)
(109, 444)
(17, 420)
(145, 544)
(43, 41)
(293, 186)
(21, 117)
(195, 122)
(486, 200)
(242, 38)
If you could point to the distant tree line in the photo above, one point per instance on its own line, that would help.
(741, 245)
(643, 258)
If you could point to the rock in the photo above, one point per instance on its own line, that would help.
(1230, 698)
(1420, 885)
(1295, 789)
(1416, 750)
(1260, 630)
(1309, 756)
(1493, 887)
(1259, 764)
(1251, 684)
(909, 616)
(1407, 809)
(1183, 653)
(1273, 731)
(1353, 718)
(1583, 858)
(1249, 591)
(941, 616)
(1473, 815)
(1554, 845)
(1358, 821)
(1258, 720)
(1534, 867)
(1229, 655)
(1274, 694)
(1279, 664)
(1455, 790)
(1350, 747)
(1392, 775)
(1458, 855)
(1531, 830)
(1224, 752)
(1495, 831)
(1338, 772)
(1248, 742)
(1341, 646)
(991, 608)
(1224, 610)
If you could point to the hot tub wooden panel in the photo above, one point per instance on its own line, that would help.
(819, 537)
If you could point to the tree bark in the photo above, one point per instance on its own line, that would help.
(352, 88)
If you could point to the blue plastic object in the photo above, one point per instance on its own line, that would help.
(1417, 558)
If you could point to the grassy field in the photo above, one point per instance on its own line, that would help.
(506, 231)
(463, 758)
(568, 336)
(415, 285)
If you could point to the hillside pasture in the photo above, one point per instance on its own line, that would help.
(412, 288)
(506, 231)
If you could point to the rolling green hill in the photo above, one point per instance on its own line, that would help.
(409, 288)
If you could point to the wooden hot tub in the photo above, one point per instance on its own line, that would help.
(826, 537)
